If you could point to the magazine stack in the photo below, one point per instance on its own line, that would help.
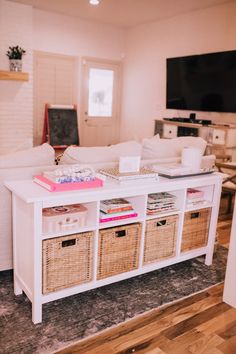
(116, 209)
(160, 203)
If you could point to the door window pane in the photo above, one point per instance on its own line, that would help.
(100, 93)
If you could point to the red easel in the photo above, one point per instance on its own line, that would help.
(45, 135)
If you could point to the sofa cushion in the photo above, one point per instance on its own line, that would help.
(190, 141)
(163, 148)
(12, 174)
(152, 139)
(159, 148)
(100, 153)
(35, 156)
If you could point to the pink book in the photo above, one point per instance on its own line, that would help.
(61, 187)
(113, 218)
(194, 193)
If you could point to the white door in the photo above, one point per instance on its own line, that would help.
(100, 104)
(55, 82)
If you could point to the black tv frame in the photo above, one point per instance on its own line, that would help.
(202, 82)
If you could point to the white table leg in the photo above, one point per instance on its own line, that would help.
(36, 313)
(17, 288)
(208, 259)
(213, 225)
(37, 266)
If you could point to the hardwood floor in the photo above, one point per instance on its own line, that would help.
(200, 324)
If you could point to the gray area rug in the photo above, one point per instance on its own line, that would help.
(68, 320)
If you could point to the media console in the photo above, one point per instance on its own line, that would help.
(191, 119)
(42, 258)
(221, 138)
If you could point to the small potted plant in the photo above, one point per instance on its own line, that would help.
(15, 57)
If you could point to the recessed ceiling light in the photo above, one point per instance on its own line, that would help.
(94, 2)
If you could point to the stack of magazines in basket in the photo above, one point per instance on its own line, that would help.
(161, 202)
(69, 178)
(116, 209)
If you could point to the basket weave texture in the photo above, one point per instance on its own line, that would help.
(118, 250)
(160, 239)
(67, 261)
(195, 230)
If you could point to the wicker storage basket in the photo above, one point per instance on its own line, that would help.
(195, 230)
(160, 239)
(118, 250)
(67, 261)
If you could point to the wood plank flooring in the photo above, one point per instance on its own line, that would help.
(200, 324)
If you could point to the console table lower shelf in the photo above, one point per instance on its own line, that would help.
(50, 266)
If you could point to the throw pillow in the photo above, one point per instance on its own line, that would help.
(95, 154)
(163, 148)
(35, 156)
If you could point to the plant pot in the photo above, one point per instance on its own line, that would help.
(15, 64)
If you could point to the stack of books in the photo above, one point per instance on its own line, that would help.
(116, 209)
(143, 173)
(160, 203)
(171, 170)
(195, 198)
(177, 170)
(71, 178)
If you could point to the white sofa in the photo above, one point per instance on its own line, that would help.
(161, 150)
(25, 164)
(18, 166)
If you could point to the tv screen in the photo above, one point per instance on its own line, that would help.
(205, 82)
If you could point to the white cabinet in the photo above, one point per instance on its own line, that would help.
(218, 137)
(169, 131)
(30, 243)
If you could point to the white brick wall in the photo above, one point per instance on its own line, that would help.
(16, 98)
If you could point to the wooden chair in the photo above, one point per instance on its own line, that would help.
(229, 182)
(223, 158)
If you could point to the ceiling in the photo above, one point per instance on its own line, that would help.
(122, 13)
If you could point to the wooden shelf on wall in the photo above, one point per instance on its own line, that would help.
(14, 75)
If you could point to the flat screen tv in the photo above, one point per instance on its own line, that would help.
(205, 82)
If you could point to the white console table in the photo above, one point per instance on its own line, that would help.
(29, 199)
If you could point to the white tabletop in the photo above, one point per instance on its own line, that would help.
(30, 192)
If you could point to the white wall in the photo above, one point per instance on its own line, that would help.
(57, 33)
(148, 46)
(43, 31)
(16, 102)
(146, 49)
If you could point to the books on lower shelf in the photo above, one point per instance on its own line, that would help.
(116, 209)
(113, 217)
(197, 203)
(193, 193)
(161, 202)
(115, 205)
(195, 198)
(61, 187)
